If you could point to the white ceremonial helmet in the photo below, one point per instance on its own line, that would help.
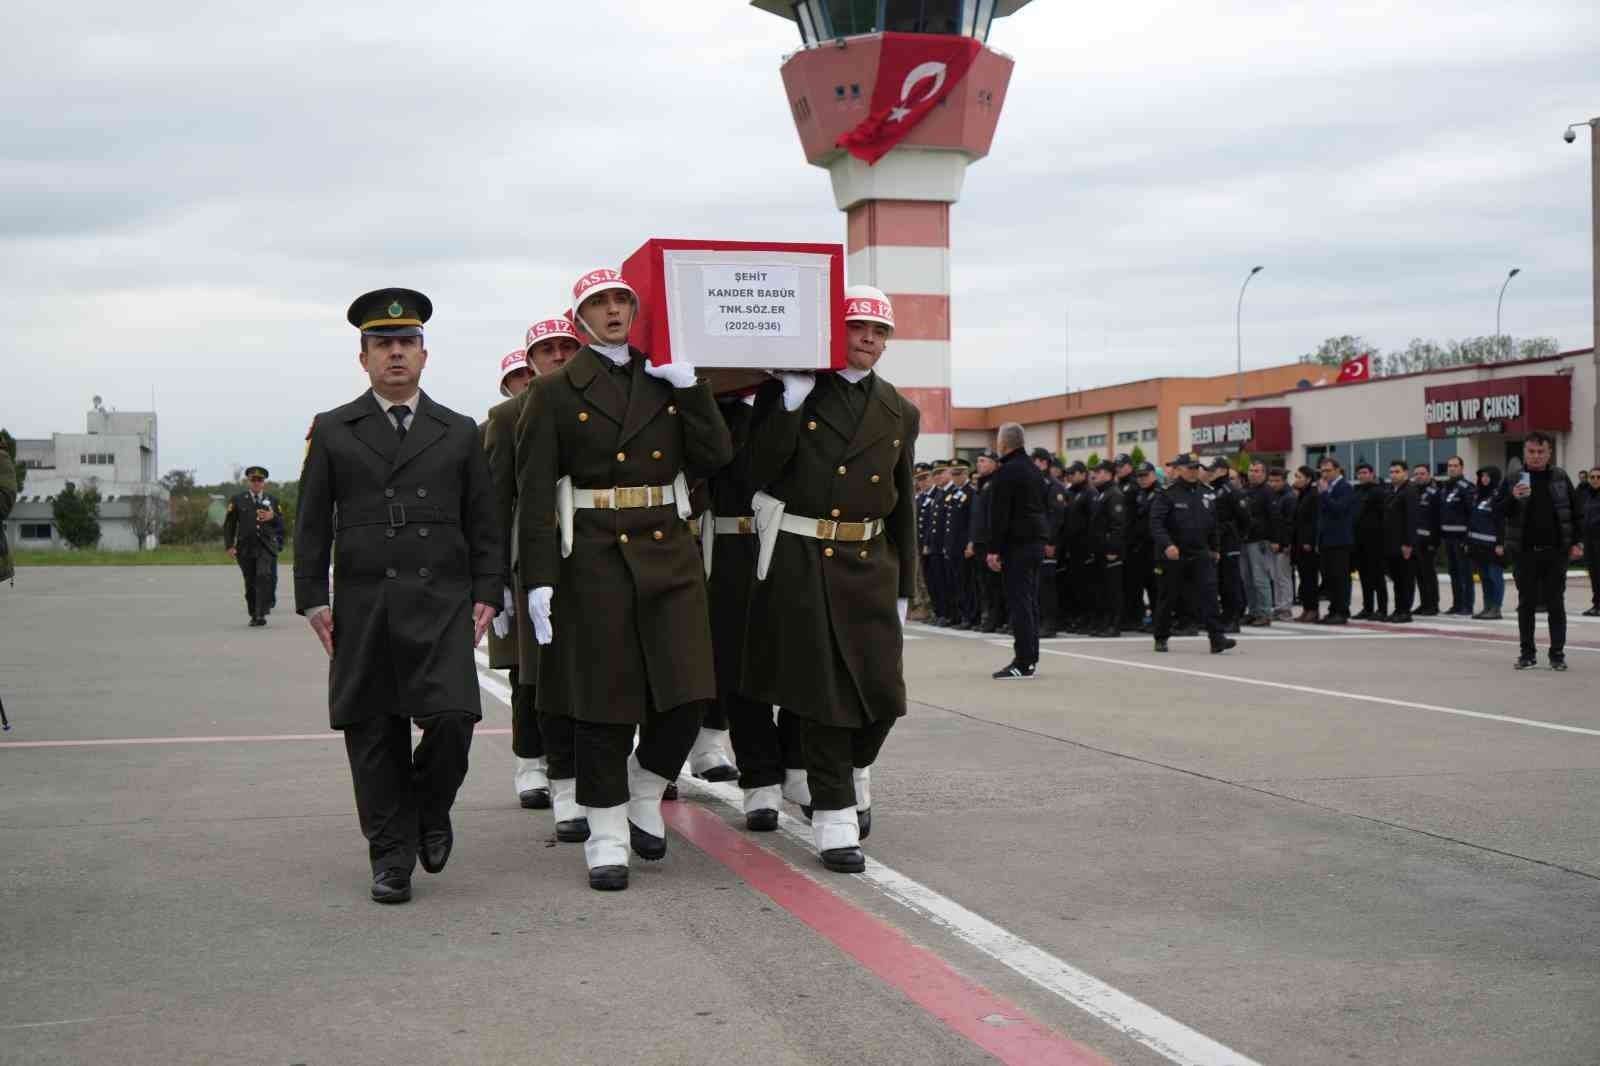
(509, 364)
(864, 303)
(548, 329)
(598, 280)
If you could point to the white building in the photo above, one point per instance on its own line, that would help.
(115, 454)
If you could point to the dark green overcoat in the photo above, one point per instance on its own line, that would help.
(500, 446)
(417, 545)
(824, 637)
(632, 628)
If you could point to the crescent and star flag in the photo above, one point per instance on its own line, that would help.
(1357, 369)
(915, 72)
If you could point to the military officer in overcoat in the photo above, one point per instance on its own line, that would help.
(395, 492)
(613, 577)
(549, 343)
(253, 532)
(833, 452)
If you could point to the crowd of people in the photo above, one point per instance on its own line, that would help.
(1270, 539)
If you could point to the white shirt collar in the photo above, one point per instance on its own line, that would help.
(617, 353)
(411, 404)
(852, 375)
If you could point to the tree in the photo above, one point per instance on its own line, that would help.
(1241, 462)
(178, 482)
(1137, 455)
(1093, 460)
(147, 515)
(77, 515)
(1337, 350)
(9, 443)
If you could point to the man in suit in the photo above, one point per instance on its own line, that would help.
(839, 526)
(253, 532)
(605, 449)
(1019, 525)
(398, 485)
(540, 766)
(1336, 534)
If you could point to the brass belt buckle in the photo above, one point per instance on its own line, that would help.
(630, 497)
(852, 531)
(827, 529)
(747, 524)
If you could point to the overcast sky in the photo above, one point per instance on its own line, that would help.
(191, 193)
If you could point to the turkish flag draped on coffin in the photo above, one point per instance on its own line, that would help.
(1357, 369)
(915, 72)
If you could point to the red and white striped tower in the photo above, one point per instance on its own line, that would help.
(898, 208)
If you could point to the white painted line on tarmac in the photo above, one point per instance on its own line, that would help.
(1331, 693)
(1138, 1021)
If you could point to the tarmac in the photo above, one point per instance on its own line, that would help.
(1369, 845)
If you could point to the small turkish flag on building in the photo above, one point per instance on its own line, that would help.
(915, 72)
(1357, 369)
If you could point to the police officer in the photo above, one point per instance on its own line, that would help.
(1108, 548)
(1425, 560)
(1401, 508)
(1372, 547)
(1183, 524)
(1072, 584)
(1455, 509)
(922, 602)
(253, 532)
(398, 483)
(1055, 498)
(957, 536)
(1231, 520)
(1138, 564)
(606, 551)
(991, 605)
(839, 547)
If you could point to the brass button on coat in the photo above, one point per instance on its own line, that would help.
(811, 425)
(623, 538)
(622, 457)
(390, 572)
(422, 494)
(423, 532)
(828, 552)
(897, 443)
(388, 493)
(655, 455)
(658, 534)
(875, 479)
(834, 513)
(389, 533)
(424, 572)
(841, 471)
(672, 408)
(583, 416)
(863, 553)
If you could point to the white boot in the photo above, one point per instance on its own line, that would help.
(766, 798)
(838, 840)
(709, 756)
(529, 778)
(863, 782)
(564, 799)
(648, 830)
(796, 789)
(608, 836)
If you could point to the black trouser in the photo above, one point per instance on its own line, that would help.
(764, 746)
(1372, 564)
(1049, 597)
(972, 571)
(1230, 585)
(1110, 592)
(558, 735)
(1308, 567)
(401, 793)
(1425, 568)
(603, 748)
(260, 570)
(527, 741)
(1135, 584)
(1336, 579)
(936, 586)
(1069, 591)
(1091, 600)
(1191, 579)
(1020, 574)
(1541, 576)
(1400, 571)
(1591, 559)
(831, 752)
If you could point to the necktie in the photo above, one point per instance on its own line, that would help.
(400, 412)
(855, 395)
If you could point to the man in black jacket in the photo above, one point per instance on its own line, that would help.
(1137, 565)
(1542, 533)
(1371, 549)
(1589, 499)
(1281, 538)
(991, 606)
(1425, 559)
(1072, 549)
(1401, 512)
(1229, 504)
(1307, 563)
(1183, 524)
(1108, 545)
(1456, 498)
(1055, 497)
(1017, 532)
(957, 535)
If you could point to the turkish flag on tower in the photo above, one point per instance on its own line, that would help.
(1357, 369)
(915, 72)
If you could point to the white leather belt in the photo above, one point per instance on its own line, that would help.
(746, 524)
(827, 528)
(622, 499)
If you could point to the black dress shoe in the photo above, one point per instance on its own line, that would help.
(1161, 645)
(608, 878)
(1558, 662)
(391, 886)
(1593, 612)
(671, 792)
(1426, 612)
(257, 621)
(1336, 620)
(1220, 646)
(573, 831)
(647, 846)
(1400, 618)
(434, 850)
(764, 820)
(1365, 615)
(535, 799)
(844, 860)
(864, 818)
(1491, 615)
(718, 773)
(1526, 662)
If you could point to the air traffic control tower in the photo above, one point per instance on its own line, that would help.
(895, 98)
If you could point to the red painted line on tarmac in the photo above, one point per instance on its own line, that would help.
(1430, 631)
(128, 742)
(1011, 1035)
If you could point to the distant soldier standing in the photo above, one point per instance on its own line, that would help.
(396, 494)
(253, 532)
(838, 530)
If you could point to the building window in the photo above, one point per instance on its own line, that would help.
(35, 531)
(1076, 442)
(1130, 436)
(1096, 440)
(97, 459)
(1147, 434)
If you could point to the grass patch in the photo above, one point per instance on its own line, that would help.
(166, 555)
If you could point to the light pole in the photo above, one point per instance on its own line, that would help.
(1514, 272)
(1594, 222)
(1238, 336)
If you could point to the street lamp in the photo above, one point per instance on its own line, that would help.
(1514, 272)
(1238, 337)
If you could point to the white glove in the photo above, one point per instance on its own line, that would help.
(796, 387)
(539, 611)
(902, 605)
(502, 621)
(678, 375)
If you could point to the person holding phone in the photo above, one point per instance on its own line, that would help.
(1543, 531)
